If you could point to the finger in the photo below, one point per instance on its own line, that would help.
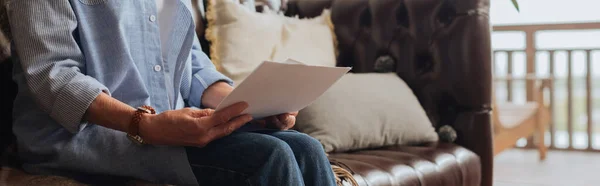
(286, 120)
(223, 130)
(223, 116)
(283, 117)
(202, 113)
(290, 122)
(293, 113)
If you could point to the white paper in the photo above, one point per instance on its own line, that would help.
(276, 88)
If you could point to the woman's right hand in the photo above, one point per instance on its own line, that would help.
(192, 127)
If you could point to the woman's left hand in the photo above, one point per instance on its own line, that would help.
(282, 121)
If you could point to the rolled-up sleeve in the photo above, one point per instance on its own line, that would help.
(204, 74)
(44, 36)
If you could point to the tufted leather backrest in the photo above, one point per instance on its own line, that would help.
(441, 48)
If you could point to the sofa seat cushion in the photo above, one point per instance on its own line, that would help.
(16, 177)
(430, 164)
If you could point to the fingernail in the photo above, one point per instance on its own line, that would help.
(248, 117)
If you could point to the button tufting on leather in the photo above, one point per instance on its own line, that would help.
(424, 63)
(446, 13)
(365, 18)
(402, 15)
(385, 64)
(447, 134)
(427, 164)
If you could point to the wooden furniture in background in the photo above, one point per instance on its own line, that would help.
(531, 50)
(513, 121)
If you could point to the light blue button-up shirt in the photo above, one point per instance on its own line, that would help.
(69, 52)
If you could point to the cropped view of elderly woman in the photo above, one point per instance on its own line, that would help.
(121, 89)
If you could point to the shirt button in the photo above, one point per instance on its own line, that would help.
(157, 68)
(152, 18)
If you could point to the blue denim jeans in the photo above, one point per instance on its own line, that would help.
(262, 158)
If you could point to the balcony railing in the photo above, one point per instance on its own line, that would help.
(564, 132)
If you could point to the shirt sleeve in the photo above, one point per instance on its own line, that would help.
(204, 74)
(46, 47)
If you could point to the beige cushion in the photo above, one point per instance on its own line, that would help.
(366, 111)
(241, 39)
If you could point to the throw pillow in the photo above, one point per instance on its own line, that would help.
(363, 111)
(241, 39)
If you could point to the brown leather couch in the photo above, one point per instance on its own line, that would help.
(441, 48)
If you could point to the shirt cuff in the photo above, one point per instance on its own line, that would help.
(201, 80)
(73, 101)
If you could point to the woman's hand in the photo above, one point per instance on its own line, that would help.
(192, 127)
(215, 93)
(282, 121)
